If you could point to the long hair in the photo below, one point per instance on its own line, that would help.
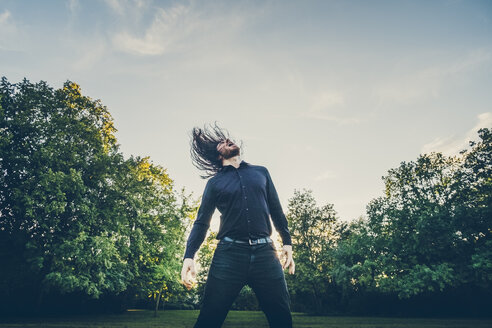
(204, 154)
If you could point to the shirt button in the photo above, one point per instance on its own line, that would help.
(246, 209)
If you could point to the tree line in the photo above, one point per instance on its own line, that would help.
(82, 228)
(429, 236)
(423, 248)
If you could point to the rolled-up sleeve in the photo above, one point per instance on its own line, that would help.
(276, 212)
(202, 222)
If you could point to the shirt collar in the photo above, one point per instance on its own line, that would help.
(229, 167)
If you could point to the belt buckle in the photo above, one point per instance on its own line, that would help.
(253, 241)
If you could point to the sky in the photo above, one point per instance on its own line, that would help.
(328, 95)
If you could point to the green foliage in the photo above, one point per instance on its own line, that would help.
(76, 217)
(431, 230)
(313, 232)
(428, 236)
(204, 258)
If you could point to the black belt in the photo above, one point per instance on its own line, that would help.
(250, 241)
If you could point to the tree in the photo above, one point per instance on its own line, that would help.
(75, 216)
(204, 260)
(475, 211)
(356, 262)
(414, 225)
(313, 232)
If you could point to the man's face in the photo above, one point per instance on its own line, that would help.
(227, 149)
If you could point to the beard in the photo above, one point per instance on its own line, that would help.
(228, 153)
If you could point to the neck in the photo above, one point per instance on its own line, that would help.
(234, 161)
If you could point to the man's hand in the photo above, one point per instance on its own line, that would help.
(289, 262)
(188, 265)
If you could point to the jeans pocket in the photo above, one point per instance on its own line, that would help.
(223, 264)
(272, 246)
(223, 246)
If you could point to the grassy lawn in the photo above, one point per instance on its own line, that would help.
(181, 319)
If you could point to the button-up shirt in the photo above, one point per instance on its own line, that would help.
(246, 198)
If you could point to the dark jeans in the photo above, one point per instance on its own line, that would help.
(235, 265)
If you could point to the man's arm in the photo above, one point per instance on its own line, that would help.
(276, 212)
(202, 222)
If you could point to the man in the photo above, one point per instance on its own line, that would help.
(245, 196)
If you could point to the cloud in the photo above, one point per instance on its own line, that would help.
(325, 176)
(178, 28)
(123, 7)
(428, 82)
(327, 99)
(116, 6)
(453, 144)
(323, 104)
(4, 17)
(89, 54)
(73, 6)
(8, 31)
(167, 29)
(341, 120)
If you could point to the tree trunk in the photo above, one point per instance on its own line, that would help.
(317, 300)
(157, 302)
(39, 301)
(162, 303)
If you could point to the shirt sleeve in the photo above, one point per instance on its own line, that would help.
(202, 222)
(276, 212)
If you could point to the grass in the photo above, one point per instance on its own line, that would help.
(235, 319)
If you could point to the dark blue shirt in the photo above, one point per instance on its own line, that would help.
(245, 197)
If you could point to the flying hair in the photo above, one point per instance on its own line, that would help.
(204, 154)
